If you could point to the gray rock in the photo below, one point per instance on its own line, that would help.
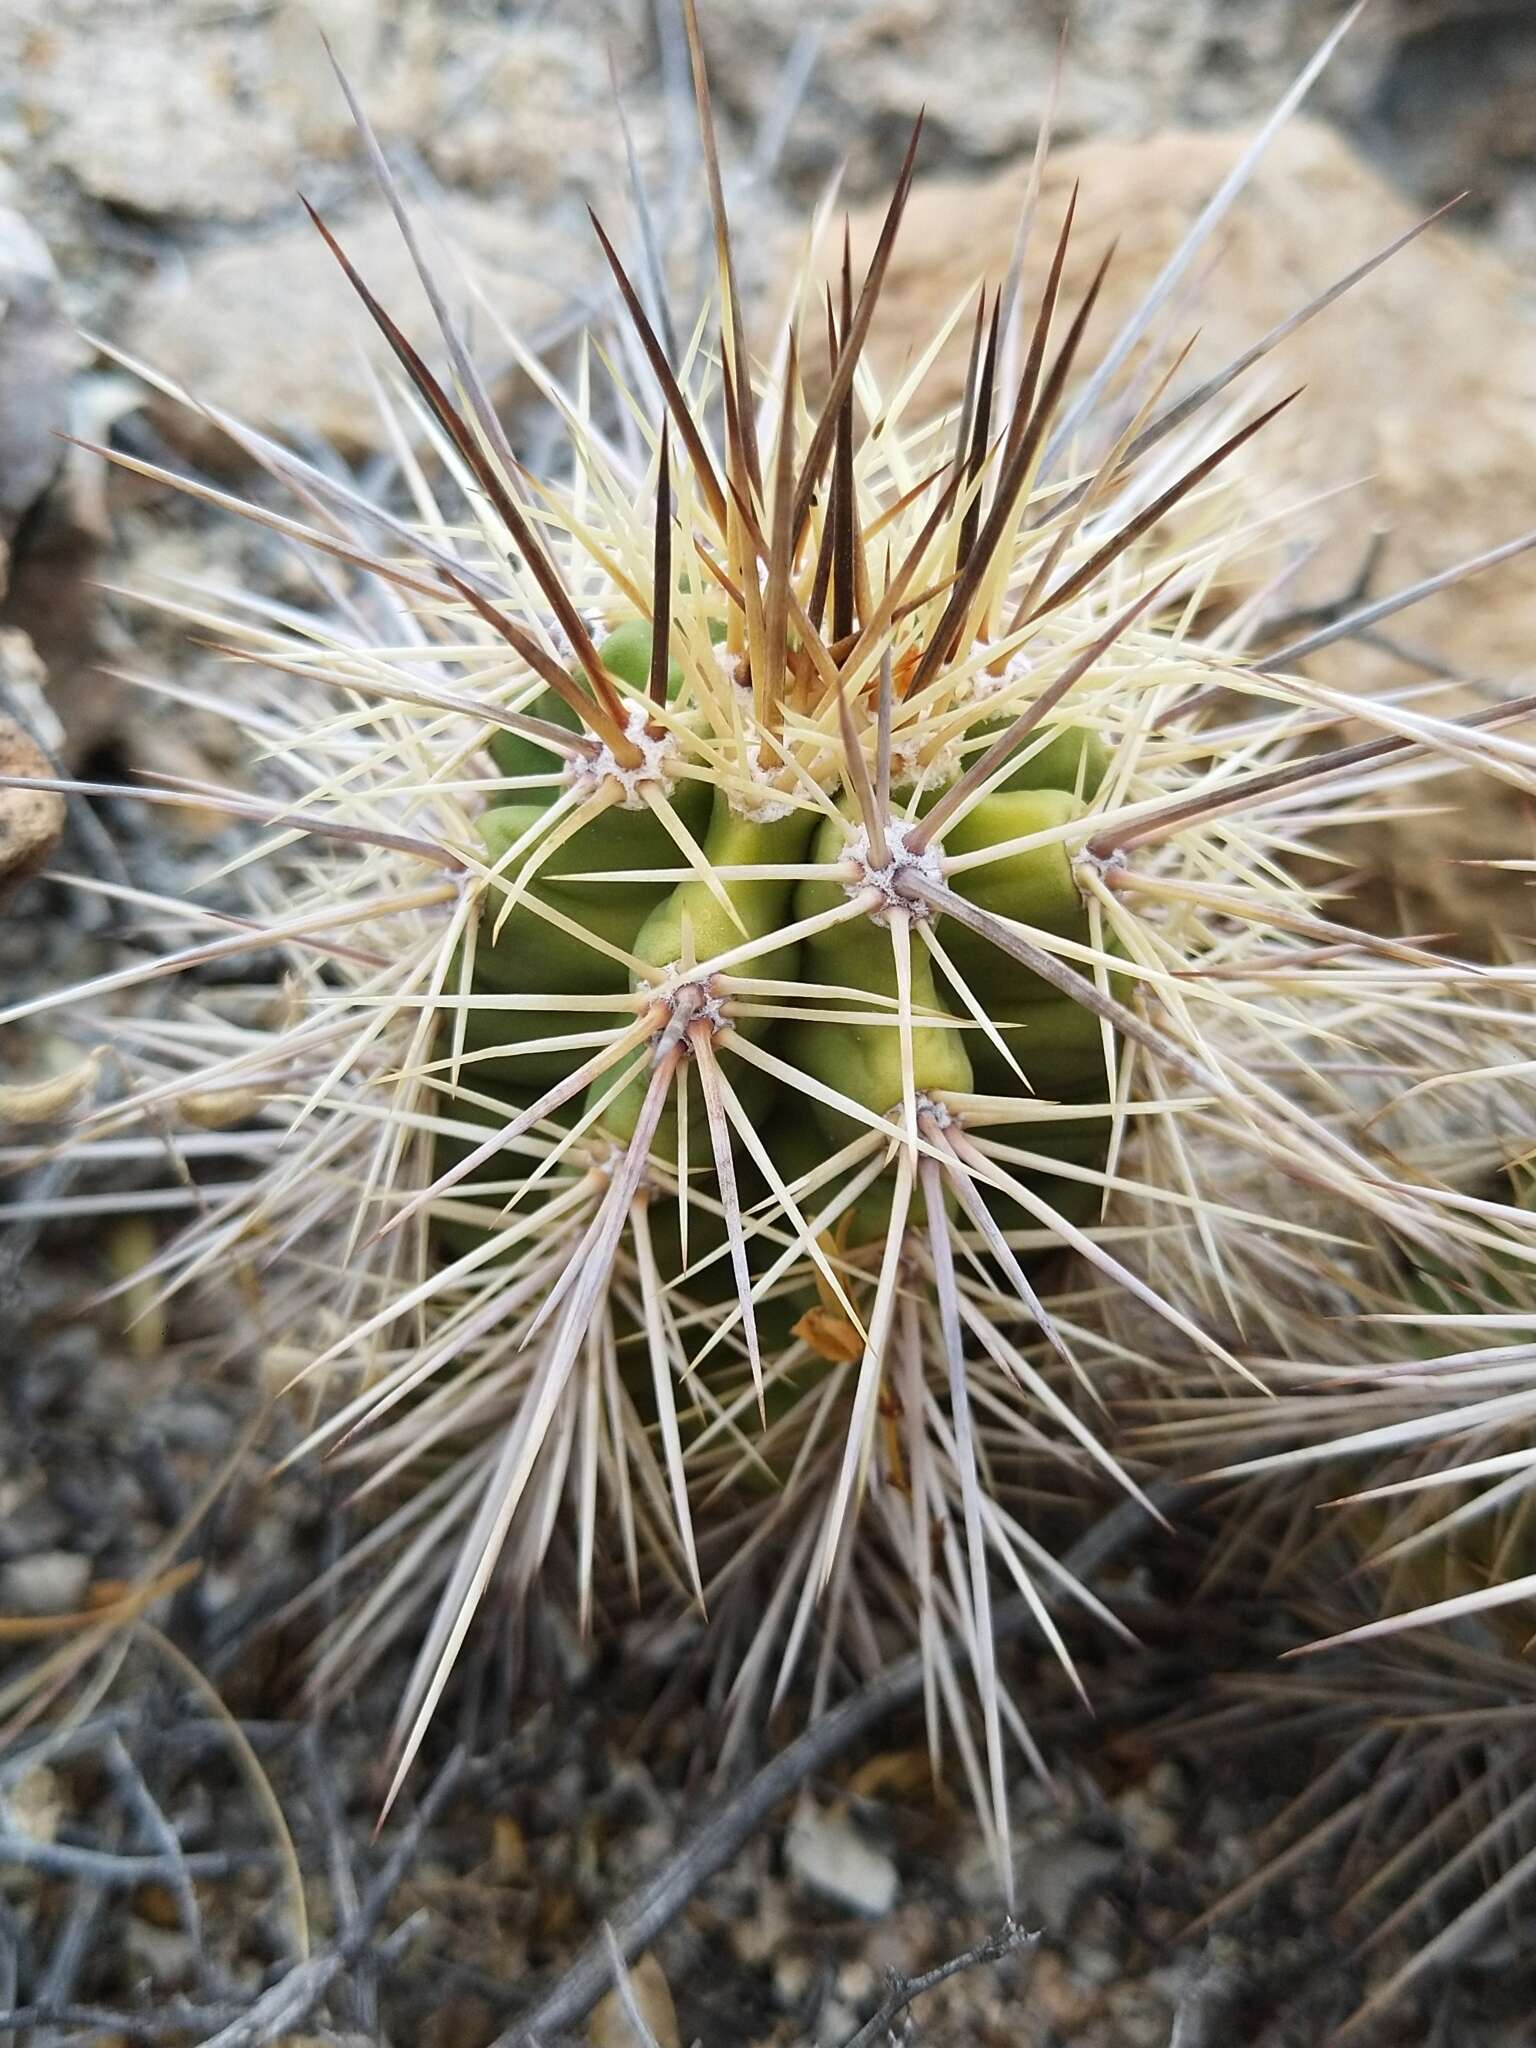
(1054, 1878)
(37, 354)
(270, 330)
(180, 140)
(828, 1855)
(47, 1582)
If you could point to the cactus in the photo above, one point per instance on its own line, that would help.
(1400, 1403)
(1414, 1761)
(755, 909)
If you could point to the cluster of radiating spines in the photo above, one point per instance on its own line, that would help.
(1399, 1414)
(744, 909)
(1413, 1823)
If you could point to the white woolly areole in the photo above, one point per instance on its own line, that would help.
(984, 684)
(591, 617)
(657, 753)
(908, 765)
(606, 1158)
(924, 862)
(1101, 864)
(691, 1002)
(760, 800)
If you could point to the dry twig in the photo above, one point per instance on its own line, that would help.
(904, 1991)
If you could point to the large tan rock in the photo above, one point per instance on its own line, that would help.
(1420, 394)
(1420, 384)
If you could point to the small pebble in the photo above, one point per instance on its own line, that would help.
(164, 1954)
(35, 1804)
(611, 2026)
(47, 1582)
(1055, 1989)
(828, 1855)
(836, 2024)
(756, 1936)
(31, 820)
(185, 1423)
(793, 1975)
(1056, 1877)
(1154, 1829)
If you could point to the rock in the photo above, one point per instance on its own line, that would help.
(38, 352)
(758, 1936)
(55, 601)
(1455, 106)
(793, 1976)
(563, 132)
(1419, 394)
(23, 687)
(460, 2020)
(270, 329)
(610, 2025)
(836, 2024)
(164, 1955)
(185, 1421)
(828, 1855)
(303, 81)
(858, 1982)
(35, 1804)
(47, 1582)
(31, 820)
(1057, 1876)
(400, 62)
(1442, 437)
(982, 72)
(1151, 1812)
(182, 138)
(1066, 2002)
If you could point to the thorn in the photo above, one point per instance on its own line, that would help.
(661, 581)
